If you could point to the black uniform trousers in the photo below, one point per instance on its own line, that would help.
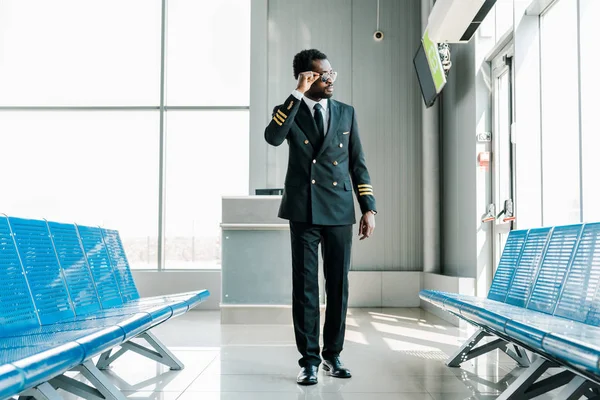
(336, 246)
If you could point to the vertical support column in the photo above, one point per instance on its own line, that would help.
(430, 120)
(260, 154)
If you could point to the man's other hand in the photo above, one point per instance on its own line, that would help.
(367, 225)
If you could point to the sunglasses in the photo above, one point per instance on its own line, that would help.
(329, 75)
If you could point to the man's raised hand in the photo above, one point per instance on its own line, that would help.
(305, 80)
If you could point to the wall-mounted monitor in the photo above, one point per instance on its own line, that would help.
(430, 73)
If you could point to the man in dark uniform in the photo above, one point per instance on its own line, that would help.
(326, 163)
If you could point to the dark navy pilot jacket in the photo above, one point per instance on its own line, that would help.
(322, 173)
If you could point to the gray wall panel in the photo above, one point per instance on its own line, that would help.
(387, 101)
(259, 107)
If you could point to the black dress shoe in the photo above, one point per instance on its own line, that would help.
(308, 375)
(334, 368)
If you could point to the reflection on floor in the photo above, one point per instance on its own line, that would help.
(393, 354)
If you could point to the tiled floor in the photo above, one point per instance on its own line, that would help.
(393, 354)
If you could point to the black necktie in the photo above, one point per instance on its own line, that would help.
(319, 120)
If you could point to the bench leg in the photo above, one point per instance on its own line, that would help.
(527, 387)
(105, 360)
(468, 350)
(593, 393)
(45, 391)
(101, 389)
(473, 382)
(518, 354)
(578, 387)
(159, 353)
(462, 354)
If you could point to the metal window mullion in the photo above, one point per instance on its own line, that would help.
(494, 151)
(162, 143)
(511, 149)
(580, 113)
(541, 98)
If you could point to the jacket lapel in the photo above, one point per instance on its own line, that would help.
(306, 122)
(334, 119)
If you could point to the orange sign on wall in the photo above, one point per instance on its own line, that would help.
(483, 160)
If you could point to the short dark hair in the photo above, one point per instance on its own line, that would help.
(303, 60)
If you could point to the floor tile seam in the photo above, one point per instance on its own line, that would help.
(200, 373)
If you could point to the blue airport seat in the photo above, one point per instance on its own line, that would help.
(68, 295)
(46, 279)
(25, 365)
(525, 273)
(40, 364)
(554, 268)
(579, 299)
(12, 380)
(544, 297)
(533, 266)
(97, 258)
(453, 302)
(121, 266)
(119, 263)
(513, 249)
(78, 276)
(112, 266)
(579, 349)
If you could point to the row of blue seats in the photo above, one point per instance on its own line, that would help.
(545, 297)
(67, 295)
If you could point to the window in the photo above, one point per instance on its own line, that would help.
(504, 17)
(74, 53)
(560, 114)
(80, 119)
(208, 53)
(91, 168)
(590, 104)
(207, 158)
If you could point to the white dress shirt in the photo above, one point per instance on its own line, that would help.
(311, 106)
